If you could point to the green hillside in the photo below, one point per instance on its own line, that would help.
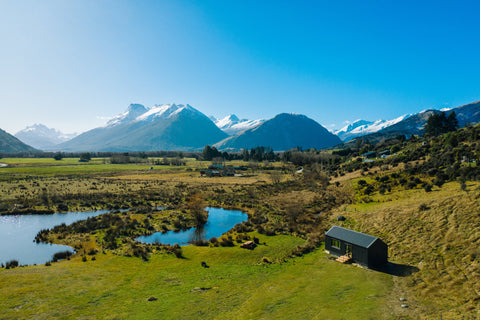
(10, 144)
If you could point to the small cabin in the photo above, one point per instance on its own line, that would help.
(363, 249)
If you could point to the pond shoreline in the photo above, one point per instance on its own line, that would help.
(220, 221)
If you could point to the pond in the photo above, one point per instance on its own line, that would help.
(219, 222)
(17, 234)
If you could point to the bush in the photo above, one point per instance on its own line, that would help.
(227, 243)
(423, 207)
(61, 255)
(11, 264)
(427, 187)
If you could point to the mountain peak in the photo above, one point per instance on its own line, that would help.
(41, 137)
(233, 117)
(231, 124)
(161, 127)
(133, 111)
(283, 132)
(363, 127)
(136, 108)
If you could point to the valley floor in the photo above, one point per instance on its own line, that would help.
(237, 285)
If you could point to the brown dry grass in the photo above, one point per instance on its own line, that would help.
(442, 242)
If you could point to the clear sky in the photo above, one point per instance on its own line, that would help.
(73, 64)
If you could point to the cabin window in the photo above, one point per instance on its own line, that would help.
(336, 243)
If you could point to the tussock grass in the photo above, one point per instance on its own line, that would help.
(440, 238)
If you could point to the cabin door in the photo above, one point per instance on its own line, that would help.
(348, 250)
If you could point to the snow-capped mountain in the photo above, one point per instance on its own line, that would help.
(231, 124)
(161, 127)
(283, 132)
(41, 137)
(363, 127)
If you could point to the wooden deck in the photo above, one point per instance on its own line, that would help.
(344, 259)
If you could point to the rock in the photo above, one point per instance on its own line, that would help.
(248, 245)
(404, 305)
(403, 299)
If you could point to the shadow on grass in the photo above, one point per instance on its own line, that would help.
(398, 270)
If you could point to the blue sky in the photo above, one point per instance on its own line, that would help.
(72, 64)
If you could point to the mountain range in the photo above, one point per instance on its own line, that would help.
(364, 127)
(414, 124)
(41, 137)
(182, 127)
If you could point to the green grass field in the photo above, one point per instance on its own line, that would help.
(237, 285)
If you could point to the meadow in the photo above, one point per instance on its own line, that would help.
(238, 284)
(432, 238)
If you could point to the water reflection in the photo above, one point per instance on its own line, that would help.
(219, 222)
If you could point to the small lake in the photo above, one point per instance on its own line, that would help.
(17, 235)
(219, 222)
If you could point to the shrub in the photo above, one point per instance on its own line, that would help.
(423, 207)
(61, 255)
(227, 243)
(11, 264)
(177, 250)
(427, 187)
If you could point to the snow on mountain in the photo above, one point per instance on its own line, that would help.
(138, 113)
(133, 111)
(231, 124)
(363, 127)
(161, 127)
(283, 132)
(41, 137)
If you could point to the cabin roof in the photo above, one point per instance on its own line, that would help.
(350, 236)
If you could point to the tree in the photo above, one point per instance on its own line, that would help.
(452, 122)
(210, 152)
(276, 176)
(196, 205)
(85, 157)
(58, 156)
(438, 124)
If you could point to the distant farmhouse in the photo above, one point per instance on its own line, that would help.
(363, 249)
(221, 171)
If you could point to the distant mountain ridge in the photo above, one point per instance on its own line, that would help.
(41, 137)
(414, 125)
(363, 127)
(182, 127)
(231, 124)
(283, 132)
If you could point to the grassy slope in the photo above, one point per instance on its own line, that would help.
(440, 243)
(241, 287)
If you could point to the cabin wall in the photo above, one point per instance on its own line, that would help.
(378, 254)
(360, 255)
(333, 250)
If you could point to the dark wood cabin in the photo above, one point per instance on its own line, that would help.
(364, 249)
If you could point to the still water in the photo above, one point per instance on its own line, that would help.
(17, 234)
(219, 222)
